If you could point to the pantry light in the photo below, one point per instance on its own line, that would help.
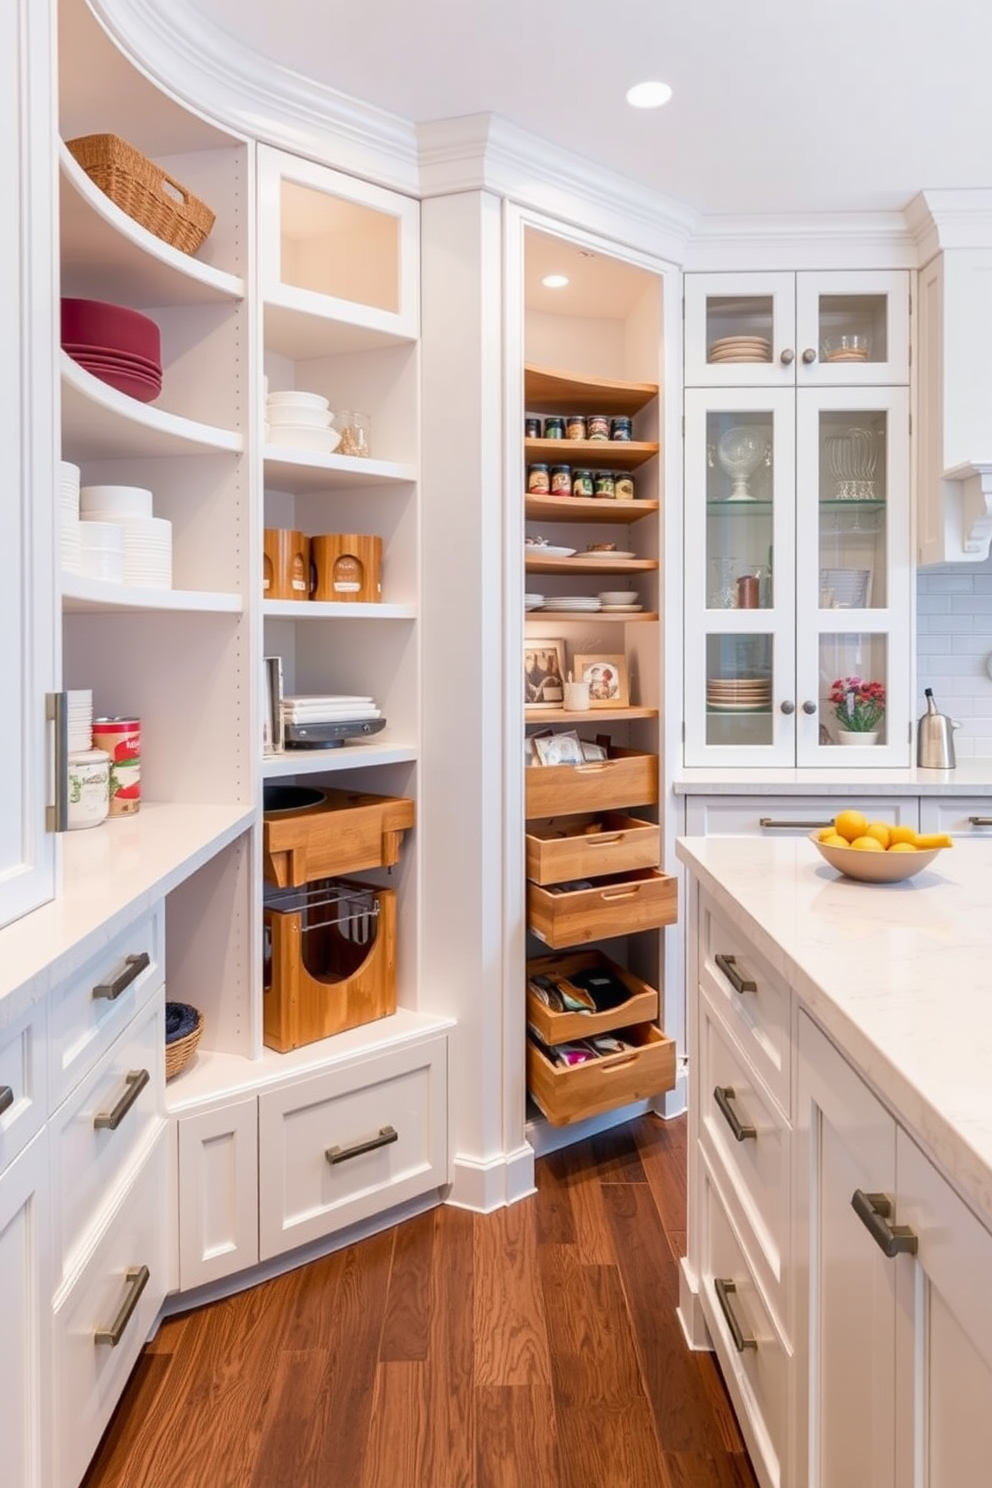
(648, 95)
(555, 281)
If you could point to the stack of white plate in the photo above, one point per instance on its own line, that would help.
(741, 349)
(533, 601)
(80, 717)
(69, 516)
(147, 539)
(738, 694)
(571, 602)
(300, 419)
(102, 550)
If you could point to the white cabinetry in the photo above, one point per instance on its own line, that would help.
(790, 816)
(218, 1192)
(960, 815)
(24, 1291)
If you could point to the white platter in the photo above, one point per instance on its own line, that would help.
(545, 550)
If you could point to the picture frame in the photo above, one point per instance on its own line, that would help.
(559, 749)
(609, 685)
(544, 673)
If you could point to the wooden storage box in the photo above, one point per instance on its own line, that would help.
(568, 1094)
(627, 778)
(345, 832)
(330, 962)
(558, 1028)
(590, 846)
(642, 900)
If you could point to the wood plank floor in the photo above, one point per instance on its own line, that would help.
(536, 1347)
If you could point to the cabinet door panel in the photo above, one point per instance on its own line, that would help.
(750, 314)
(856, 325)
(218, 1193)
(23, 1233)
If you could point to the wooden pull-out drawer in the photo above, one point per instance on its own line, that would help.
(641, 1006)
(626, 778)
(590, 846)
(642, 900)
(342, 832)
(569, 1093)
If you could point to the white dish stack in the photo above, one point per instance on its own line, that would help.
(300, 419)
(80, 720)
(146, 540)
(102, 550)
(70, 545)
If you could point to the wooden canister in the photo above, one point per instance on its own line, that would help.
(347, 567)
(286, 564)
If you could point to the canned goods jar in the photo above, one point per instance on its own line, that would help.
(538, 480)
(575, 426)
(582, 483)
(622, 427)
(598, 426)
(89, 788)
(561, 480)
(532, 428)
(554, 428)
(604, 483)
(623, 486)
(121, 739)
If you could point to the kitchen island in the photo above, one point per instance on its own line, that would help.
(840, 1187)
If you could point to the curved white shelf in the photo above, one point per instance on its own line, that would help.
(298, 470)
(80, 594)
(108, 255)
(355, 756)
(99, 422)
(312, 609)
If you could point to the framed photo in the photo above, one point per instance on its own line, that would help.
(544, 671)
(559, 749)
(607, 678)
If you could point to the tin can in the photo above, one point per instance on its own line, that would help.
(582, 483)
(622, 427)
(89, 788)
(598, 426)
(554, 428)
(561, 480)
(604, 483)
(538, 480)
(532, 428)
(575, 426)
(121, 738)
(623, 486)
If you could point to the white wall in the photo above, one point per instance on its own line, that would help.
(954, 641)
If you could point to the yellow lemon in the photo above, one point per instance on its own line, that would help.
(902, 836)
(835, 840)
(879, 830)
(867, 844)
(850, 824)
(902, 847)
(826, 833)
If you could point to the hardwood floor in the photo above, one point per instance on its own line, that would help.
(536, 1347)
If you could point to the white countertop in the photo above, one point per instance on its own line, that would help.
(898, 975)
(972, 777)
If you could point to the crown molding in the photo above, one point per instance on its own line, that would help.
(951, 217)
(808, 240)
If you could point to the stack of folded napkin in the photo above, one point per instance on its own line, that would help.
(334, 708)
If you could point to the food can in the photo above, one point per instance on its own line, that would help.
(532, 428)
(561, 480)
(604, 483)
(582, 483)
(598, 426)
(89, 788)
(538, 480)
(121, 738)
(554, 428)
(623, 486)
(622, 427)
(575, 426)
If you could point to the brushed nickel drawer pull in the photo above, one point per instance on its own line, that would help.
(980, 821)
(136, 1080)
(6, 1098)
(723, 1095)
(724, 1289)
(386, 1134)
(776, 826)
(873, 1210)
(137, 1279)
(135, 966)
(728, 965)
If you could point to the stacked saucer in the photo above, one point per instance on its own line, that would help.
(738, 694)
(300, 419)
(102, 550)
(80, 719)
(147, 550)
(120, 346)
(533, 601)
(71, 553)
(740, 349)
(583, 602)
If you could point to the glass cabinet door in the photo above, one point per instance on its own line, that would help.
(852, 328)
(740, 330)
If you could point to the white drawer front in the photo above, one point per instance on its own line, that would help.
(752, 999)
(101, 1130)
(758, 1375)
(961, 816)
(747, 1140)
(90, 1008)
(23, 1082)
(789, 816)
(90, 1374)
(351, 1114)
(218, 1193)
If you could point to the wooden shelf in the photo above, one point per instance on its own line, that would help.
(547, 390)
(591, 715)
(582, 565)
(586, 509)
(590, 454)
(585, 616)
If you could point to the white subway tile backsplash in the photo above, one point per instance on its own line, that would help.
(954, 638)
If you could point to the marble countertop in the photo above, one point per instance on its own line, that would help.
(898, 975)
(971, 777)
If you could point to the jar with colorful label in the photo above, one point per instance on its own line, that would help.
(554, 428)
(622, 427)
(575, 426)
(538, 480)
(532, 428)
(598, 426)
(604, 483)
(561, 480)
(623, 486)
(121, 739)
(582, 483)
(89, 788)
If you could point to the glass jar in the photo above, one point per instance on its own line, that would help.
(89, 788)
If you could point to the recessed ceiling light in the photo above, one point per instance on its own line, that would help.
(648, 95)
(555, 281)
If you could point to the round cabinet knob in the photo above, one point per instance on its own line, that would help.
(788, 706)
(809, 355)
(809, 707)
(787, 356)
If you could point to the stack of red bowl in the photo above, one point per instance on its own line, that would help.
(118, 345)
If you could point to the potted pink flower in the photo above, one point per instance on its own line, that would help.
(859, 708)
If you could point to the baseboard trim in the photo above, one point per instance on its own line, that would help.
(485, 1184)
(689, 1312)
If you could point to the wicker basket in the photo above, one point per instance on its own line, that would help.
(142, 190)
(179, 1053)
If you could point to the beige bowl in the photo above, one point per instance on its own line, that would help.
(875, 867)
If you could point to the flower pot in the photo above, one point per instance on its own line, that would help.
(852, 736)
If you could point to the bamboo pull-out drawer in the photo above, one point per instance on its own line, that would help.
(569, 1093)
(343, 832)
(590, 846)
(627, 778)
(640, 1006)
(642, 900)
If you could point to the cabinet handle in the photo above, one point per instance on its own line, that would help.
(385, 1135)
(728, 965)
(809, 708)
(6, 1098)
(809, 356)
(787, 356)
(591, 767)
(136, 1080)
(57, 713)
(135, 965)
(980, 821)
(724, 1289)
(137, 1279)
(611, 894)
(773, 825)
(787, 707)
(603, 840)
(873, 1210)
(723, 1095)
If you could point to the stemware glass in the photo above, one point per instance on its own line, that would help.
(740, 451)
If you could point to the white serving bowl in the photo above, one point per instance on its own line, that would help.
(286, 413)
(305, 436)
(296, 397)
(115, 501)
(618, 597)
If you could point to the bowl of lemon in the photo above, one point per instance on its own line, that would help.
(876, 851)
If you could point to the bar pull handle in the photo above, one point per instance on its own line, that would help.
(723, 1095)
(728, 965)
(135, 1080)
(873, 1210)
(725, 1289)
(776, 826)
(136, 1278)
(980, 821)
(57, 713)
(6, 1098)
(134, 966)
(383, 1137)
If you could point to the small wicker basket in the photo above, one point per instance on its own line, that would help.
(179, 1053)
(143, 190)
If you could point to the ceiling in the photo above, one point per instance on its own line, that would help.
(779, 105)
